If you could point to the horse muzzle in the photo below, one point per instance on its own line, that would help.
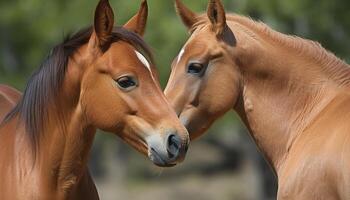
(167, 150)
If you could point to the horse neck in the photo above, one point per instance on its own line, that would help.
(282, 92)
(65, 149)
(71, 137)
(63, 146)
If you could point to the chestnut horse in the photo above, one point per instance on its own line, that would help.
(100, 78)
(293, 95)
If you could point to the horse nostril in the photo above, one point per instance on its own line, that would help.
(173, 145)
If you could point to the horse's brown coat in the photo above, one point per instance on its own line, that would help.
(8, 99)
(292, 94)
(46, 139)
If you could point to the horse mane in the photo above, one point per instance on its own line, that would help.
(45, 84)
(334, 67)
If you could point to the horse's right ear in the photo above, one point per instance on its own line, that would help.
(188, 17)
(138, 22)
(217, 16)
(103, 24)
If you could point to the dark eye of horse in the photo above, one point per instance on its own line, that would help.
(126, 83)
(195, 68)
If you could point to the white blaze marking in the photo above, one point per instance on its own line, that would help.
(143, 60)
(180, 55)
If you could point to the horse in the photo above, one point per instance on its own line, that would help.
(292, 95)
(102, 77)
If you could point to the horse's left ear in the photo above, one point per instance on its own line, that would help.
(103, 23)
(138, 22)
(216, 14)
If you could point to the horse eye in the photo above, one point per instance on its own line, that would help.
(126, 83)
(195, 68)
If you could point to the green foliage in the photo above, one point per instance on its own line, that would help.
(325, 21)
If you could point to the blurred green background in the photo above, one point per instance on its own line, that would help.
(224, 164)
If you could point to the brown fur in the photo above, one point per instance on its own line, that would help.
(291, 93)
(74, 93)
(9, 98)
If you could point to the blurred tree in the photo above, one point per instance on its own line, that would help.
(325, 21)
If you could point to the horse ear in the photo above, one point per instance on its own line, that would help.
(217, 16)
(188, 17)
(103, 23)
(138, 22)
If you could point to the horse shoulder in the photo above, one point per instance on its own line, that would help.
(318, 163)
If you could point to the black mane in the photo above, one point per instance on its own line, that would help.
(44, 85)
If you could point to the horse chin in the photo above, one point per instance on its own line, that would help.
(166, 165)
(187, 115)
(195, 121)
(158, 160)
(163, 164)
